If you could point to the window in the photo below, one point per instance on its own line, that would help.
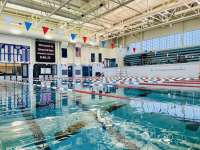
(144, 44)
(92, 57)
(177, 41)
(173, 41)
(64, 53)
(100, 57)
(113, 62)
(110, 62)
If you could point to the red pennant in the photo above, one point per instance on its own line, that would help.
(134, 49)
(85, 39)
(45, 29)
(112, 45)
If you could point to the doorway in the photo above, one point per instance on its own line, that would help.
(70, 71)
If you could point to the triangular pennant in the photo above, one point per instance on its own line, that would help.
(112, 45)
(134, 49)
(103, 43)
(28, 25)
(85, 39)
(45, 29)
(73, 36)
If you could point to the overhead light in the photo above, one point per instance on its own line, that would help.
(101, 5)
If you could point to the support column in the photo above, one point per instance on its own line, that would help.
(30, 73)
(182, 36)
(32, 62)
(32, 98)
(59, 66)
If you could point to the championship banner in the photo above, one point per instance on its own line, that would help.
(10, 53)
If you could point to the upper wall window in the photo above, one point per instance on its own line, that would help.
(164, 43)
(92, 57)
(192, 38)
(64, 52)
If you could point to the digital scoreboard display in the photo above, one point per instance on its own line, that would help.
(45, 51)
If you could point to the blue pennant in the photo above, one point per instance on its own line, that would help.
(28, 25)
(73, 36)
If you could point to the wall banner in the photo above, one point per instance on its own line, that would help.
(10, 53)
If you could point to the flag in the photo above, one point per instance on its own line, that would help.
(45, 29)
(28, 25)
(73, 36)
(112, 45)
(103, 43)
(134, 49)
(85, 39)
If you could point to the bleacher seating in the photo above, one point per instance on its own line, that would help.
(182, 55)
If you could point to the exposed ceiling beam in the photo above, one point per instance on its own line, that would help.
(53, 12)
(135, 10)
(178, 13)
(131, 20)
(43, 8)
(46, 9)
(112, 9)
(106, 12)
(3, 6)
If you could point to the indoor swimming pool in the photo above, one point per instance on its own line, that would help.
(84, 117)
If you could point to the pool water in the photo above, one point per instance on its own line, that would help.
(33, 118)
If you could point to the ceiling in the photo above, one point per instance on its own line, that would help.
(106, 19)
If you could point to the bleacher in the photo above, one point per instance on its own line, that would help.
(182, 55)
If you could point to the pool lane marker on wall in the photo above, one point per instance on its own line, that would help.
(100, 94)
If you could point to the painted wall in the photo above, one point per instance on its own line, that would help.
(190, 70)
(71, 59)
(86, 55)
(11, 39)
(85, 58)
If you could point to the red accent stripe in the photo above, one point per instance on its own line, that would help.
(181, 82)
(100, 94)
(148, 84)
(175, 85)
(131, 87)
